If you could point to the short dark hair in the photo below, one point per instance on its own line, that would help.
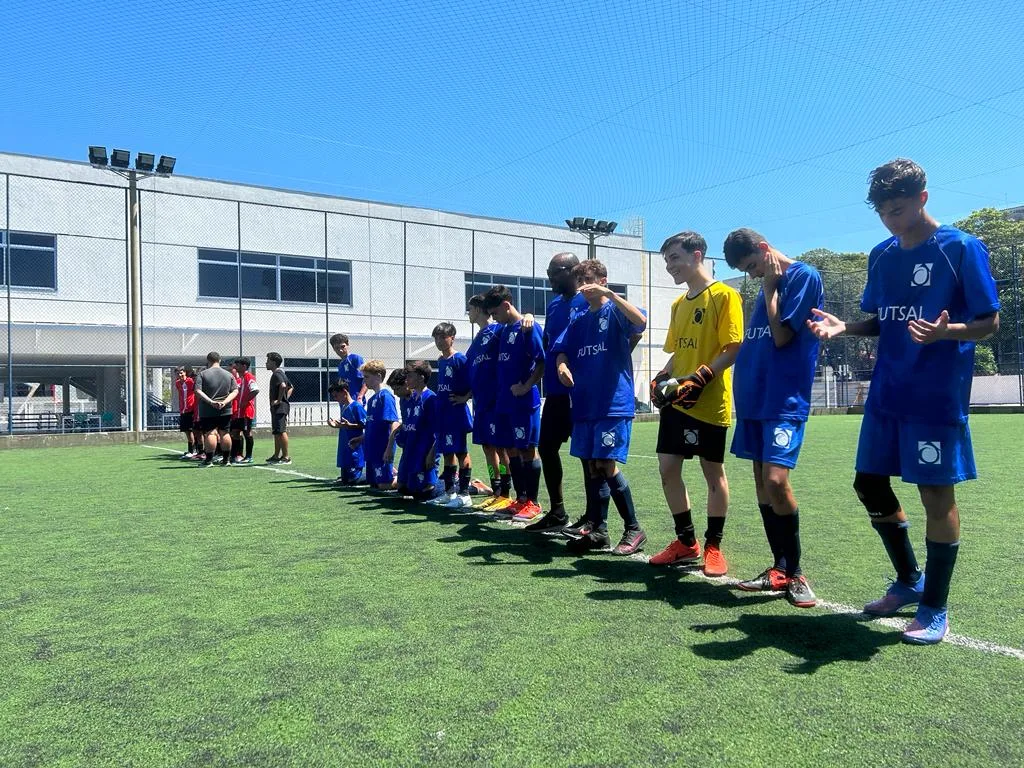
(397, 378)
(897, 178)
(339, 386)
(741, 243)
(338, 338)
(242, 361)
(189, 370)
(444, 329)
(589, 271)
(275, 357)
(495, 296)
(688, 240)
(421, 367)
(212, 357)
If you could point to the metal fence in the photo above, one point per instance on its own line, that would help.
(245, 271)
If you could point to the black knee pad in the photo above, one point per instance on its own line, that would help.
(876, 494)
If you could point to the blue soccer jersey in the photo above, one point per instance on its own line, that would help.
(348, 370)
(560, 313)
(420, 437)
(519, 353)
(483, 367)
(770, 382)
(597, 344)
(351, 458)
(453, 379)
(926, 383)
(381, 412)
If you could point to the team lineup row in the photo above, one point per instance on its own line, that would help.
(915, 424)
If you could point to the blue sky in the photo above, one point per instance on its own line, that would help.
(707, 114)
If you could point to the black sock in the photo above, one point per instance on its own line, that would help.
(515, 469)
(896, 538)
(713, 535)
(449, 479)
(226, 453)
(938, 572)
(533, 469)
(465, 475)
(684, 528)
(505, 484)
(789, 539)
(249, 442)
(771, 531)
(621, 494)
(552, 466)
(598, 514)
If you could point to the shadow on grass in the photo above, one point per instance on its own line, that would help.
(815, 639)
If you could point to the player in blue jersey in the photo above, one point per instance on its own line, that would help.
(454, 418)
(483, 376)
(422, 430)
(350, 434)
(397, 382)
(381, 423)
(556, 423)
(594, 362)
(772, 381)
(349, 367)
(931, 296)
(520, 368)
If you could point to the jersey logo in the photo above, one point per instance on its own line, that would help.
(448, 440)
(603, 324)
(929, 452)
(512, 337)
(607, 439)
(447, 373)
(420, 476)
(492, 427)
(690, 437)
(416, 411)
(922, 275)
(698, 316)
(783, 437)
(520, 433)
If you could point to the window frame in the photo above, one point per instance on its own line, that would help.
(320, 267)
(5, 248)
(516, 284)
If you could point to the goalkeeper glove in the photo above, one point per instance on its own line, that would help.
(659, 398)
(689, 389)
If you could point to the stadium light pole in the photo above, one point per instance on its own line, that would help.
(592, 230)
(119, 163)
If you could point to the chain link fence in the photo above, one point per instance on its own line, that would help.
(270, 271)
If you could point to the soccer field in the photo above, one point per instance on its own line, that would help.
(154, 614)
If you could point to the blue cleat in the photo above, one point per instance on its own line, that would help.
(929, 626)
(899, 595)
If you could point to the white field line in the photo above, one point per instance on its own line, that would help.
(900, 624)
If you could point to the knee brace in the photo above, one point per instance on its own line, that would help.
(876, 494)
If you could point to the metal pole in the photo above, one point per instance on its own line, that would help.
(238, 270)
(10, 330)
(135, 297)
(327, 330)
(405, 290)
(591, 248)
(1016, 322)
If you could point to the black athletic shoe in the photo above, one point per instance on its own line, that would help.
(591, 541)
(285, 460)
(578, 529)
(273, 460)
(800, 594)
(632, 541)
(552, 522)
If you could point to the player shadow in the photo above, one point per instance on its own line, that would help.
(814, 639)
(504, 545)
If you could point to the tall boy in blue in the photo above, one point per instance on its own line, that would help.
(381, 422)
(350, 434)
(399, 385)
(773, 376)
(520, 369)
(454, 419)
(350, 367)
(483, 376)
(422, 430)
(595, 364)
(931, 296)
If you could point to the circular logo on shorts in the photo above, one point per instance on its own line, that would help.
(929, 452)
(520, 433)
(783, 437)
(690, 436)
(607, 439)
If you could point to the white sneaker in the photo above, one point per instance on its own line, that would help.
(466, 501)
(459, 502)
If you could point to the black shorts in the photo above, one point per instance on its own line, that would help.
(185, 422)
(211, 423)
(680, 434)
(279, 423)
(555, 421)
(241, 425)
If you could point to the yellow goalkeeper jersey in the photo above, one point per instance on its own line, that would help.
(700, 327)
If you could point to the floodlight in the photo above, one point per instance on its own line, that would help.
(568, 223)
(120, 158)
(98, 155)
(588, 224)
(611, 226)
(601, 226)
(166, 164)
(577, 223)
(144, 161)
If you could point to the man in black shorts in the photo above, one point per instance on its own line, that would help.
(280, 393)
(215, 388)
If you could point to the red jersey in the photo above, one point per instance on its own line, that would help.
(237, 401)
(186, 395)
(247, 396)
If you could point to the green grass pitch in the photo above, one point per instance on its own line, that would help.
(154, 614)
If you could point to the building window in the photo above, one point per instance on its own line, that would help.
(274, 277)
(529, 294)
(29, 260)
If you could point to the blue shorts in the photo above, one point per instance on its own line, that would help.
(923, 454)
(769, 442)
(452, 442)
(518, 430)
(485, 427)
(380, 474)
(602, 439)
(419, 478)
